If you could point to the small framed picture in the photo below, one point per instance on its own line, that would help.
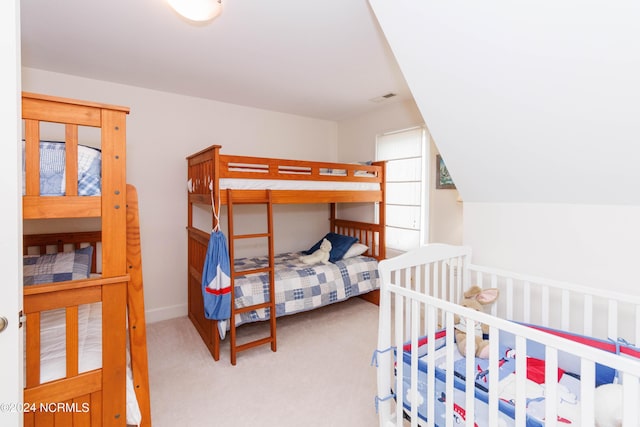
(443, 179)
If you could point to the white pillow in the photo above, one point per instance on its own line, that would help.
(355, 250)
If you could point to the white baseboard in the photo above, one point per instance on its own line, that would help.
(165, 313)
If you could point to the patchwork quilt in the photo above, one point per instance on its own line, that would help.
(52, 170)
(301, 287)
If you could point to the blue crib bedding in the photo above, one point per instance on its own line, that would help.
(52, 170)
(568, 390)
(301, 287)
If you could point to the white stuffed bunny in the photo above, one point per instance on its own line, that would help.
(608, 409)
(321, 255)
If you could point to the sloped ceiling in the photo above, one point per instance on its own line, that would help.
(528, 101)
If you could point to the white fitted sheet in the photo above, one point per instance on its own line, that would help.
(53, 349)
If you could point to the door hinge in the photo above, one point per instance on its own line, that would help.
(21, 319)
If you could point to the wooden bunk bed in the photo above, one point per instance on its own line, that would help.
(218, 179)
(95, 397)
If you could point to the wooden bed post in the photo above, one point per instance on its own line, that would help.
(135, 305)
(382, 213)
(114, 193)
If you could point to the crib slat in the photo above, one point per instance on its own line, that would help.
(587, 382)
(494, 356)
(72, 340)
(449, 363)
(631, 397)
(521, 366)
(431, 361)
(470, 414)
(551, 386)
(613, 319)
(545, 306)
(399, 338)
(588, 315)
(413, 375)
(566, 310)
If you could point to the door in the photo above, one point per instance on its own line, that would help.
(10, 216)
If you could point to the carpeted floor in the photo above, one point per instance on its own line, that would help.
(320, 376)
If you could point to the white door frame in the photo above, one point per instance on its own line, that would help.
(11, 350)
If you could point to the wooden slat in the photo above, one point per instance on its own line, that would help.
(33, 350)
(45, 419)
(71, 328)
(36, 207)
(64, 389)
(135, 309)
(29, 419)
(64, 417)
(82, 418)
(52, 300)
(96, 408)
(114, 335)
(32, 157)
(71, 160)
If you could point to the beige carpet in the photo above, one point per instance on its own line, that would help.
(320, 375)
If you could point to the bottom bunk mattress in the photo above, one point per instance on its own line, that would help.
(568, 388)
(299, 286)
(53, 350)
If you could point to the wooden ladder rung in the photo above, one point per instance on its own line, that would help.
(253, 307)
(251, 236)
(256, 343)
(253, 271)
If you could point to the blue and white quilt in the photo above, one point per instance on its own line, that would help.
(52, 170)
(301, 287)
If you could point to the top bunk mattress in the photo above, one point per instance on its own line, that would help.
(52, 169)
(281, 184)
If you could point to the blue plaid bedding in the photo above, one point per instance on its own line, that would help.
(52, 170)
(301, 287)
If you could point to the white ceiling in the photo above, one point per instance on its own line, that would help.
(319, 59)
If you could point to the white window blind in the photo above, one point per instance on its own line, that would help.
(404, 152)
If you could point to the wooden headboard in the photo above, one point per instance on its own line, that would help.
(38, 244)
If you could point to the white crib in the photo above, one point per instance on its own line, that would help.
(420, 291)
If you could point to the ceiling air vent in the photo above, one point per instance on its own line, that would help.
(383, 97)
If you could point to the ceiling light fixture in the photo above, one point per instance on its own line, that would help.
(197, 10)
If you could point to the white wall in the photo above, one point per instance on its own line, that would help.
(162, 130)
(588, 244)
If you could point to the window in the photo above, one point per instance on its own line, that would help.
(406, 210)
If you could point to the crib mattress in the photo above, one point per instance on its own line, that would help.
(53, 349)
(301, 287)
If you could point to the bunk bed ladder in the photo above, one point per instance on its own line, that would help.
(270, 305)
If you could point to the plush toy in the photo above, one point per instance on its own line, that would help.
(608, 410)
(475, 298)
(321, 255)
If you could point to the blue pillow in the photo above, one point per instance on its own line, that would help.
(340, 244)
